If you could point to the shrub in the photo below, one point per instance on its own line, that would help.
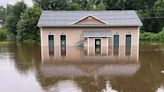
(152, 36)
(3, 35)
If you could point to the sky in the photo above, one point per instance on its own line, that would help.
(5, 2)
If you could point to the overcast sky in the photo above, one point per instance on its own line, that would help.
(5, 2)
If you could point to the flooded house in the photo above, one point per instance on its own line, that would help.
(89, 28)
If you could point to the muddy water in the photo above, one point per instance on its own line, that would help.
(27, 68)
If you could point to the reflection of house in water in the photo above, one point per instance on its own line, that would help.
(72, 61)
(108, 88)
(160, 89)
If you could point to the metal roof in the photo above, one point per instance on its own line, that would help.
(68, 18)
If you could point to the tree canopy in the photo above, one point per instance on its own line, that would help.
(27, 29)
(13, 16)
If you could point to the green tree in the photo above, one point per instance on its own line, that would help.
(114, 4)
(159, 8)
(12, 17)
(90, 6)
(150, 23)
(51, 4)
(74, 6)
(2, 12)
(100, 6)
(27, 29)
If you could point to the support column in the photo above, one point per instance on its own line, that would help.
(87, 45)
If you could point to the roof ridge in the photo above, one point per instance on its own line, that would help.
(89, 11)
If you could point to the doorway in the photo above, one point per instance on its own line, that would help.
(98, 46)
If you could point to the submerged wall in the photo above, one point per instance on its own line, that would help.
(74, 35)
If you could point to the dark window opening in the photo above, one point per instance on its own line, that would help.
(51, 44)
(116, 45)
(63, 45)
(128, 45)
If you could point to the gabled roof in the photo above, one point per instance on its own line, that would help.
(68, 18)
(88, 17)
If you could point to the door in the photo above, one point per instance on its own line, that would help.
(51, 44)
(97, 46)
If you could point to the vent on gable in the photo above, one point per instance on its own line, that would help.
(89, 17)
(90, 20)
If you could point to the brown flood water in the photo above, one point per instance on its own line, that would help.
(27, 68)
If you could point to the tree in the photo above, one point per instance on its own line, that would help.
(150, 24)
(27, 29)
(90, 5)
(159, 8)
(100, 6)
(13, 17)
(114, 4)
(74, 6)
(51, 4)
(2, 12)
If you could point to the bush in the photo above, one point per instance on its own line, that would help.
(3, 35)
(152, 36)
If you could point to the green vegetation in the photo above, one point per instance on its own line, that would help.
(27, 30)
(3, 35)
(20, 20)
(12, 19)
(152, 36)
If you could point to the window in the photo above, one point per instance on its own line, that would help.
(51, 44)
(116, 41)
(128, 45)
(116, 45)
(63, 45)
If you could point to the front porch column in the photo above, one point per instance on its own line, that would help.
(104, 46)
(87, 45)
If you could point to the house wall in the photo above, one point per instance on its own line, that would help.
(74, 35)
(74, 55)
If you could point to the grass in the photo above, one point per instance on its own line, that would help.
(4, 42)
(148, 36)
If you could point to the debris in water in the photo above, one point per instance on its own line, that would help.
(162, 71)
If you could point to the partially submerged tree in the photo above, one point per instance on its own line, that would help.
(27, 29)
(13, 17)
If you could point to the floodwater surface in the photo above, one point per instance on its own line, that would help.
(31, 68)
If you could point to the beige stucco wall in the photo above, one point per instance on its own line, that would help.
(73, 35)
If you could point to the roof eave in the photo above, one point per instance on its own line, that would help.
(89, 25)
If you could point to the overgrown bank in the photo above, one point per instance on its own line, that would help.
(152, 36)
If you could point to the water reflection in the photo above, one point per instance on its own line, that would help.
(81, 70)
(108, 88)
(69, 86)
(160, 89)
(88, 63)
